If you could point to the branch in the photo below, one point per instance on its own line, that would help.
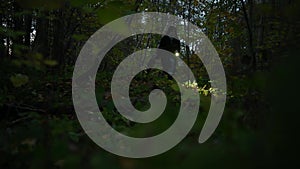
(25, 107)
(137, 5)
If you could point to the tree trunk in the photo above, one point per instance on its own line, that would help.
(41, 44)
(28, 30)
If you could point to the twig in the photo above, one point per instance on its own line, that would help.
(19, 120)
(25, 107)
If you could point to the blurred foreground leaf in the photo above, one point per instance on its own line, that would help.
(19, 80)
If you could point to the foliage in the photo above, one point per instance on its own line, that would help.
(39, 43)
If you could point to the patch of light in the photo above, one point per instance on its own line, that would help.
(32, 35)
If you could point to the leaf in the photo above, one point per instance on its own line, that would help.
(74, 136)
(19, 80)
(50, 62)
(37, 56)
(80, 37)
(108, 14)
(113, 10)
(205, 92)
(175, 87)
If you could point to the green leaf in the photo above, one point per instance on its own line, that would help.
(37, 56)
(175, 87)
(108, 14)
(80, 37)
(74, 136)
(205, 92)
(113, 10)
(19, 80)
(50, 62)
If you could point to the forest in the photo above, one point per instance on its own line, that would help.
(257, 42)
